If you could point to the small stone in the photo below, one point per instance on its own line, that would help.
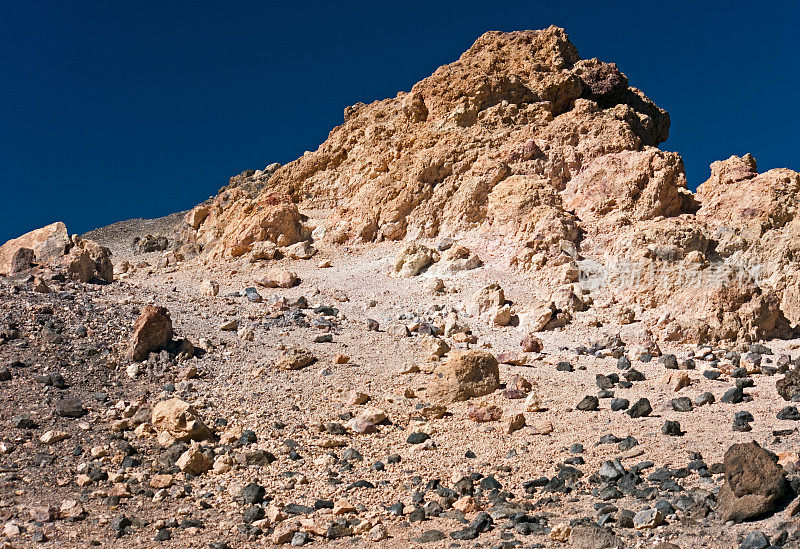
(676, 380)
(531, 344)
(564, 366)
(279, 278)
(209, 287)
(682, 404)
(648, 518)
(672, 429)
(588, 403)
(483, 413)
(640, 408)
(561, 532)
(733, 396)
(515, 422)
(229, 326)
(430, 536)
(357, 398)
(69, 407)
(704, 398)
(618, 404)
(193, 462)
(294, 359)
(52, 437)
(789, 413)
(252, 494)
(755, 540)
(417, 438)
(669, 361)
(533, 403)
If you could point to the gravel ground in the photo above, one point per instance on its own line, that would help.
(238, 385)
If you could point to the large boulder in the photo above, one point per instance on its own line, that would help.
(465, 375)
(88, 261)
(175, 419)
(151, 333)
(754, 483)
(48, 243)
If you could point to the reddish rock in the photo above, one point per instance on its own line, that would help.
(483, 413)
(754, 483)
(531, 344)
(151, 333)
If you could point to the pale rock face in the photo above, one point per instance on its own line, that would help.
(48, 243)
(179, 420)
(454, 260)
(465, 375)
(263, 250)
(300, 250)
(413, 259)
(89, 261)
(638, 184)
(486, 299)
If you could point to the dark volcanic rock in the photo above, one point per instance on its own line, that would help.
(69, 407)
(588, 403)
(754, 483)
(789, 386)
(640, 408)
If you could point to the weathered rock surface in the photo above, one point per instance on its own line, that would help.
(48, 243)
(754, 483)
(179, 420)
(465, 374)
(88, 261)
(550, 161)
(151, 333)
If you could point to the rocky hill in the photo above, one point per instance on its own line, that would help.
(548, 163)
(487, 312)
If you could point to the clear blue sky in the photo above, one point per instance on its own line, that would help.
(113, 110)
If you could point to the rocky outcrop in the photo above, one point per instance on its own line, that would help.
(634, 185)
(548, 161)
(240, 216)
(425, 161)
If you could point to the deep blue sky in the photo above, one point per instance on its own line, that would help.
(113, 110)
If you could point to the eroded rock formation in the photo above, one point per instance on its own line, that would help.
(551, 161)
